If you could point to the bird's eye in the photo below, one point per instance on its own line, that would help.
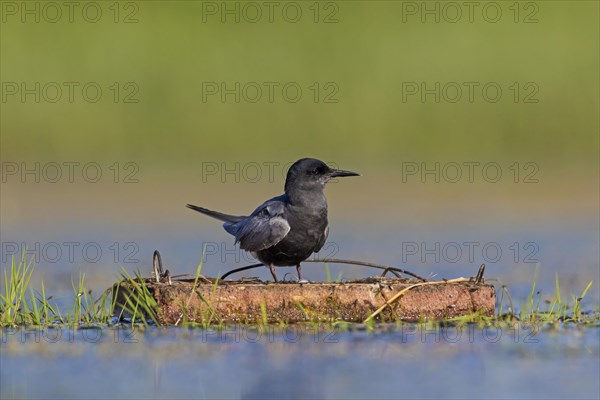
(314, 171)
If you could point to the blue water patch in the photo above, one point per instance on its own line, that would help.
(410, 361)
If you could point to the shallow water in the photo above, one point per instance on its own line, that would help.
(243, 362)
(390, 362)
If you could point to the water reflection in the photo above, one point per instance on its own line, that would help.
(238, 362)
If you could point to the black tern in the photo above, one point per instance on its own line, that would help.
(287, 229)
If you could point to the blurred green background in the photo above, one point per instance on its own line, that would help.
(368, 54)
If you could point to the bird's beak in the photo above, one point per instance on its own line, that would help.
(340, 172)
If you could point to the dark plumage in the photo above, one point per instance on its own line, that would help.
(287, 229)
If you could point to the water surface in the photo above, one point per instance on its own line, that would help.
(242, 362)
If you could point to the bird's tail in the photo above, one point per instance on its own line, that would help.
(215, 214)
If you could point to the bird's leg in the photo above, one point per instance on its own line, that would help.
(299, 269)
(272, 268)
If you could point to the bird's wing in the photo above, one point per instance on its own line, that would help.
(264, 228)
(322, 240)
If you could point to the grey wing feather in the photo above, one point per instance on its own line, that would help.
(264, 228)
(323, 239)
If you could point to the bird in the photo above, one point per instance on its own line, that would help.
(287, 229)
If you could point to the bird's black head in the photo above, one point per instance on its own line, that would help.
(311, 174)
